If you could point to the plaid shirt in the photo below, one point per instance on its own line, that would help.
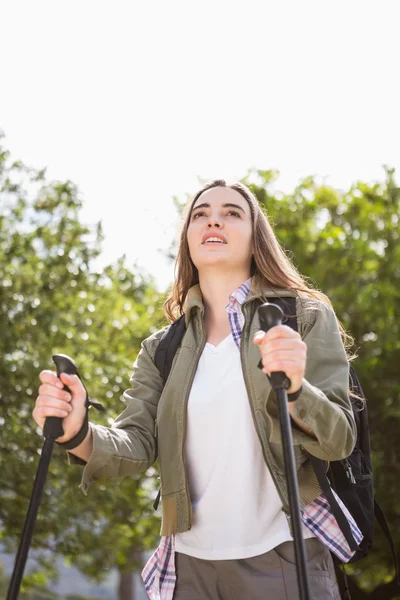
(159, 574)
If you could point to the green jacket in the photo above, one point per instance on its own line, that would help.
(153, 423)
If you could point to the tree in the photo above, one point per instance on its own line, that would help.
(54, 300)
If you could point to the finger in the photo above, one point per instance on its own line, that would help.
(262, 337)
(285, 354)
(43, 412)
(287, 366)
(281, 331)
(73, 382)
(50, 390)
(259, 337)
(51, 378)
(50, 402)
(285, 344)
(297, 355)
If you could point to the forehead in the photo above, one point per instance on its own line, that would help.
(218, 196)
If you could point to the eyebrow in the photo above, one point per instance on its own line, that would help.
(228, 204)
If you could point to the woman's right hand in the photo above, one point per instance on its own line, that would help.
(54, 401)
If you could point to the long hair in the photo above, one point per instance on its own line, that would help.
(270, 265)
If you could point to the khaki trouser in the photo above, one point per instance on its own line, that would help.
(270, 576)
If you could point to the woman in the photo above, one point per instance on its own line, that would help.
(213, 424)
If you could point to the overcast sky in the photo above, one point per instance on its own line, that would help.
(134, 101)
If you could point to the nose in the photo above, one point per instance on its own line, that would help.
(214, 222)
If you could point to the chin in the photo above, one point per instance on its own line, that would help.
(207, 261)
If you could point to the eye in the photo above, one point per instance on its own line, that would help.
(235, 213)
(200, 213)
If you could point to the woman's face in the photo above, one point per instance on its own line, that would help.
(220, 230)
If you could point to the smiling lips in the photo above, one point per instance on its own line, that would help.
(214, 239)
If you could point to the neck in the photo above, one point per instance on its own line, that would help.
(216, 289)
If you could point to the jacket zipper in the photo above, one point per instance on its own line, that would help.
(244, 369)
(158, 497)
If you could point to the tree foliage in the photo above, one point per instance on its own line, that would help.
(54, 300)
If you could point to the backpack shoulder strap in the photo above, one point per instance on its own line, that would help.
(288, 306)
(319, 470)
(168, 345)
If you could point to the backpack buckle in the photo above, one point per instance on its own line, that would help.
(349, 472)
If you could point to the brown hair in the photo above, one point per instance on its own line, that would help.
(270, 266)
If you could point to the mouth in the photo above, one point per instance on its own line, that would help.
(212, 239)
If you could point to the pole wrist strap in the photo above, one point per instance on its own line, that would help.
(82, 433)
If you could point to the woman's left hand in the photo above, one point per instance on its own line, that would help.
(282, 349)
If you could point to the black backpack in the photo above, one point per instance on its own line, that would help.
(351, 478)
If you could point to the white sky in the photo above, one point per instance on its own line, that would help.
(133, 101)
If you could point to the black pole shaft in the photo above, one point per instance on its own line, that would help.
(293, 491)
(270, 316)
(30, 519)
(52, 430)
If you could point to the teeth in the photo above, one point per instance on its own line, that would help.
(214, 239)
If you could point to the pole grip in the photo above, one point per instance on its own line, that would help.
(271, 315)
(53, 425)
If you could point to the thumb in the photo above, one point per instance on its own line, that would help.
(73, 382)
(259, 337)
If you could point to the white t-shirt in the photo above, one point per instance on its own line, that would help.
(237, 512)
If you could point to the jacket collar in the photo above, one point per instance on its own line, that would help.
(194, 298)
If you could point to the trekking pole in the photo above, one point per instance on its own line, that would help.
(51, 431)
(271, 315)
